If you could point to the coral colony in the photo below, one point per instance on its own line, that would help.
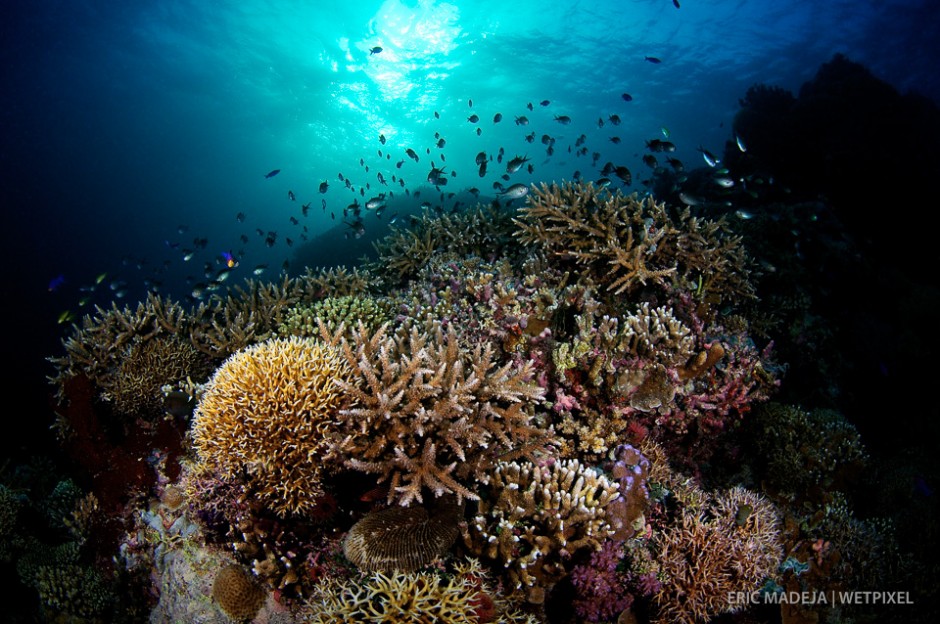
(509, 416)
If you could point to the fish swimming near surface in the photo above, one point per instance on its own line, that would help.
(272, 173)
(375, 50)
(563, 119)
(652, 59)
(291, 196)
(498, 117)
(545, 102)
(614, 119)
(522, 120)
(626, 97)
(411, 154)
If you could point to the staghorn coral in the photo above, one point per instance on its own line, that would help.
(624, 243)
(463, 597)
(430, 415)
(338, 282)
(484, 231)
(99, 345)
(731, 544)
(403, 538)
(268, 413)
(238, 593)
(135, 387)
(537, 517)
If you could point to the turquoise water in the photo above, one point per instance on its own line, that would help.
(133, 129)
(134, 134)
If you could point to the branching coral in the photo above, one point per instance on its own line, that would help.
(484, 231)
(268, 413)
(100, 344)
(145, 367)
(302, 320)
(537, 517)
(626, 243)
(463, 597)
(730, 545)
(430, 415)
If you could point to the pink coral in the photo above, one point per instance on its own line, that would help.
(602, 588)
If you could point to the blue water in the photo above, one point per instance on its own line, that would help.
(131, 129)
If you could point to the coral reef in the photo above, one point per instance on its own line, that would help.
(302, 320)
(267, 414)
(729, 542)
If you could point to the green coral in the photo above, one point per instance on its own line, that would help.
(301, 320)
(806, 450)
(68, 589)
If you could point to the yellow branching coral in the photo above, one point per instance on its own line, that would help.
(464, 597)
(429, 414)
(267, 412)
(538, 517)
(624, 242)
(728, 544)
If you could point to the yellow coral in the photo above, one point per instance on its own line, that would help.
(267, 413)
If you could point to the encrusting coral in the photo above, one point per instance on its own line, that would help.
(238, 593)
(267, 414)
(428, 415)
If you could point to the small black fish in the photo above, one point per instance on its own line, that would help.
(529, 106)
(382, 139)
(544, 103)
(498, 117)
(473, 118)
(614, 119)
(324, 186)
(375, 50)
(626, 97)
(563, 119)
(291, 196)
(272, 173)
(652, 59)
(675, 3)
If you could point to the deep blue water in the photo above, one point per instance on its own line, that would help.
(132, 129)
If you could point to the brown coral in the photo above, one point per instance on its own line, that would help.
(267, 412)
(403, 538)
(430, 414)
(237, 593)
(625, 243)
(712, 554)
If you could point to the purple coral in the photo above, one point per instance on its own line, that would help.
(602, 591)
(631, 470)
